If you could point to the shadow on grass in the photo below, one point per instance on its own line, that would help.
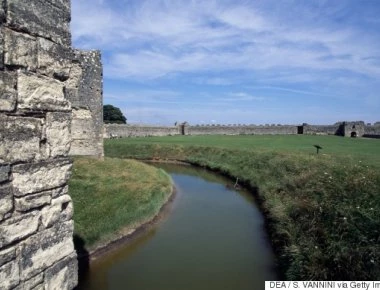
(83, 259)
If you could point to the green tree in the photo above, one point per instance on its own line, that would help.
(113, 114)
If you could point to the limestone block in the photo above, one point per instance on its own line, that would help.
(20, 50)
(75, 75)
(83, 128)
(32, 201)
(6, 200)
(47, 18)
(8, 94)
(36, 177)
(54, 60)
(60, 191)
(32, 284)
(1, 43)
(20, 138)
(40, 93)
(63, 275)
(86, 147)
(7, 256)
(4, 172)
(9, 275)
(61, 209)
(44, 249)
(57, 132)
(18, 228)
(2, 12)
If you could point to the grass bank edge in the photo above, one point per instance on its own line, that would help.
(114, 197)
(321, 211)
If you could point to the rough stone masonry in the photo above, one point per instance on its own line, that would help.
(42, 80)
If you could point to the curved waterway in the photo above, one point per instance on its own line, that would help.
(212, 237)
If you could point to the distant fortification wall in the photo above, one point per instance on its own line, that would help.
(323, 129)
(39, 75)
(241, 130)
(372, 131)
(347, 129)
(120, 130)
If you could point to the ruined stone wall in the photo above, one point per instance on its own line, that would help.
(242, 130)
(372, 131)
(36, 226)
(85, 92)
(121, 130)
(322, 129)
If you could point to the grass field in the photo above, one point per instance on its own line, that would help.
(114, 195)
(322, 211)
(367, 150)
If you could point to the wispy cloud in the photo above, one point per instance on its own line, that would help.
(322, 49)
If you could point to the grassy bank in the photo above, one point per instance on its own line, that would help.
(114, 195)
(322, 210)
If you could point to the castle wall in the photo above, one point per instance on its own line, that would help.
(372, 131)
(121, 130)
(322, 129)
(36, 226)
(85, 92)
(241, 130)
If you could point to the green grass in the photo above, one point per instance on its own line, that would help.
(322, 211)
(114, 195)
(366, 150)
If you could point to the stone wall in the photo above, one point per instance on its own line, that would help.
(372, 131)
(86, 97)
(36, 226)
(121, 130)
(241, 130)
(347, 129)
(322, 129)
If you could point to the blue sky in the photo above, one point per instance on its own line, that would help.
(239, 61)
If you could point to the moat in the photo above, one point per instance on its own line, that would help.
(212, 237)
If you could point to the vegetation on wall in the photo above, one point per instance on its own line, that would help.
(322, 210)
(113, 115)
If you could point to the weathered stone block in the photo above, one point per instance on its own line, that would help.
(32, 284)
(46, 248)
(36, 177)
(54, 60)
(2, 12)
(57, 132)
(63, 275)
(1, 46)
(18, 228)
(8, 94)
(20, 138)
(7, 256)
(49, 19)
(61, 209)
(40, 93)
(20, 50)
(32, 201)
(6, 200)
(4, 172)
(9, 275)
(60, 191)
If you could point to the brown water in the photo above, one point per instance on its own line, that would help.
(212, 238)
